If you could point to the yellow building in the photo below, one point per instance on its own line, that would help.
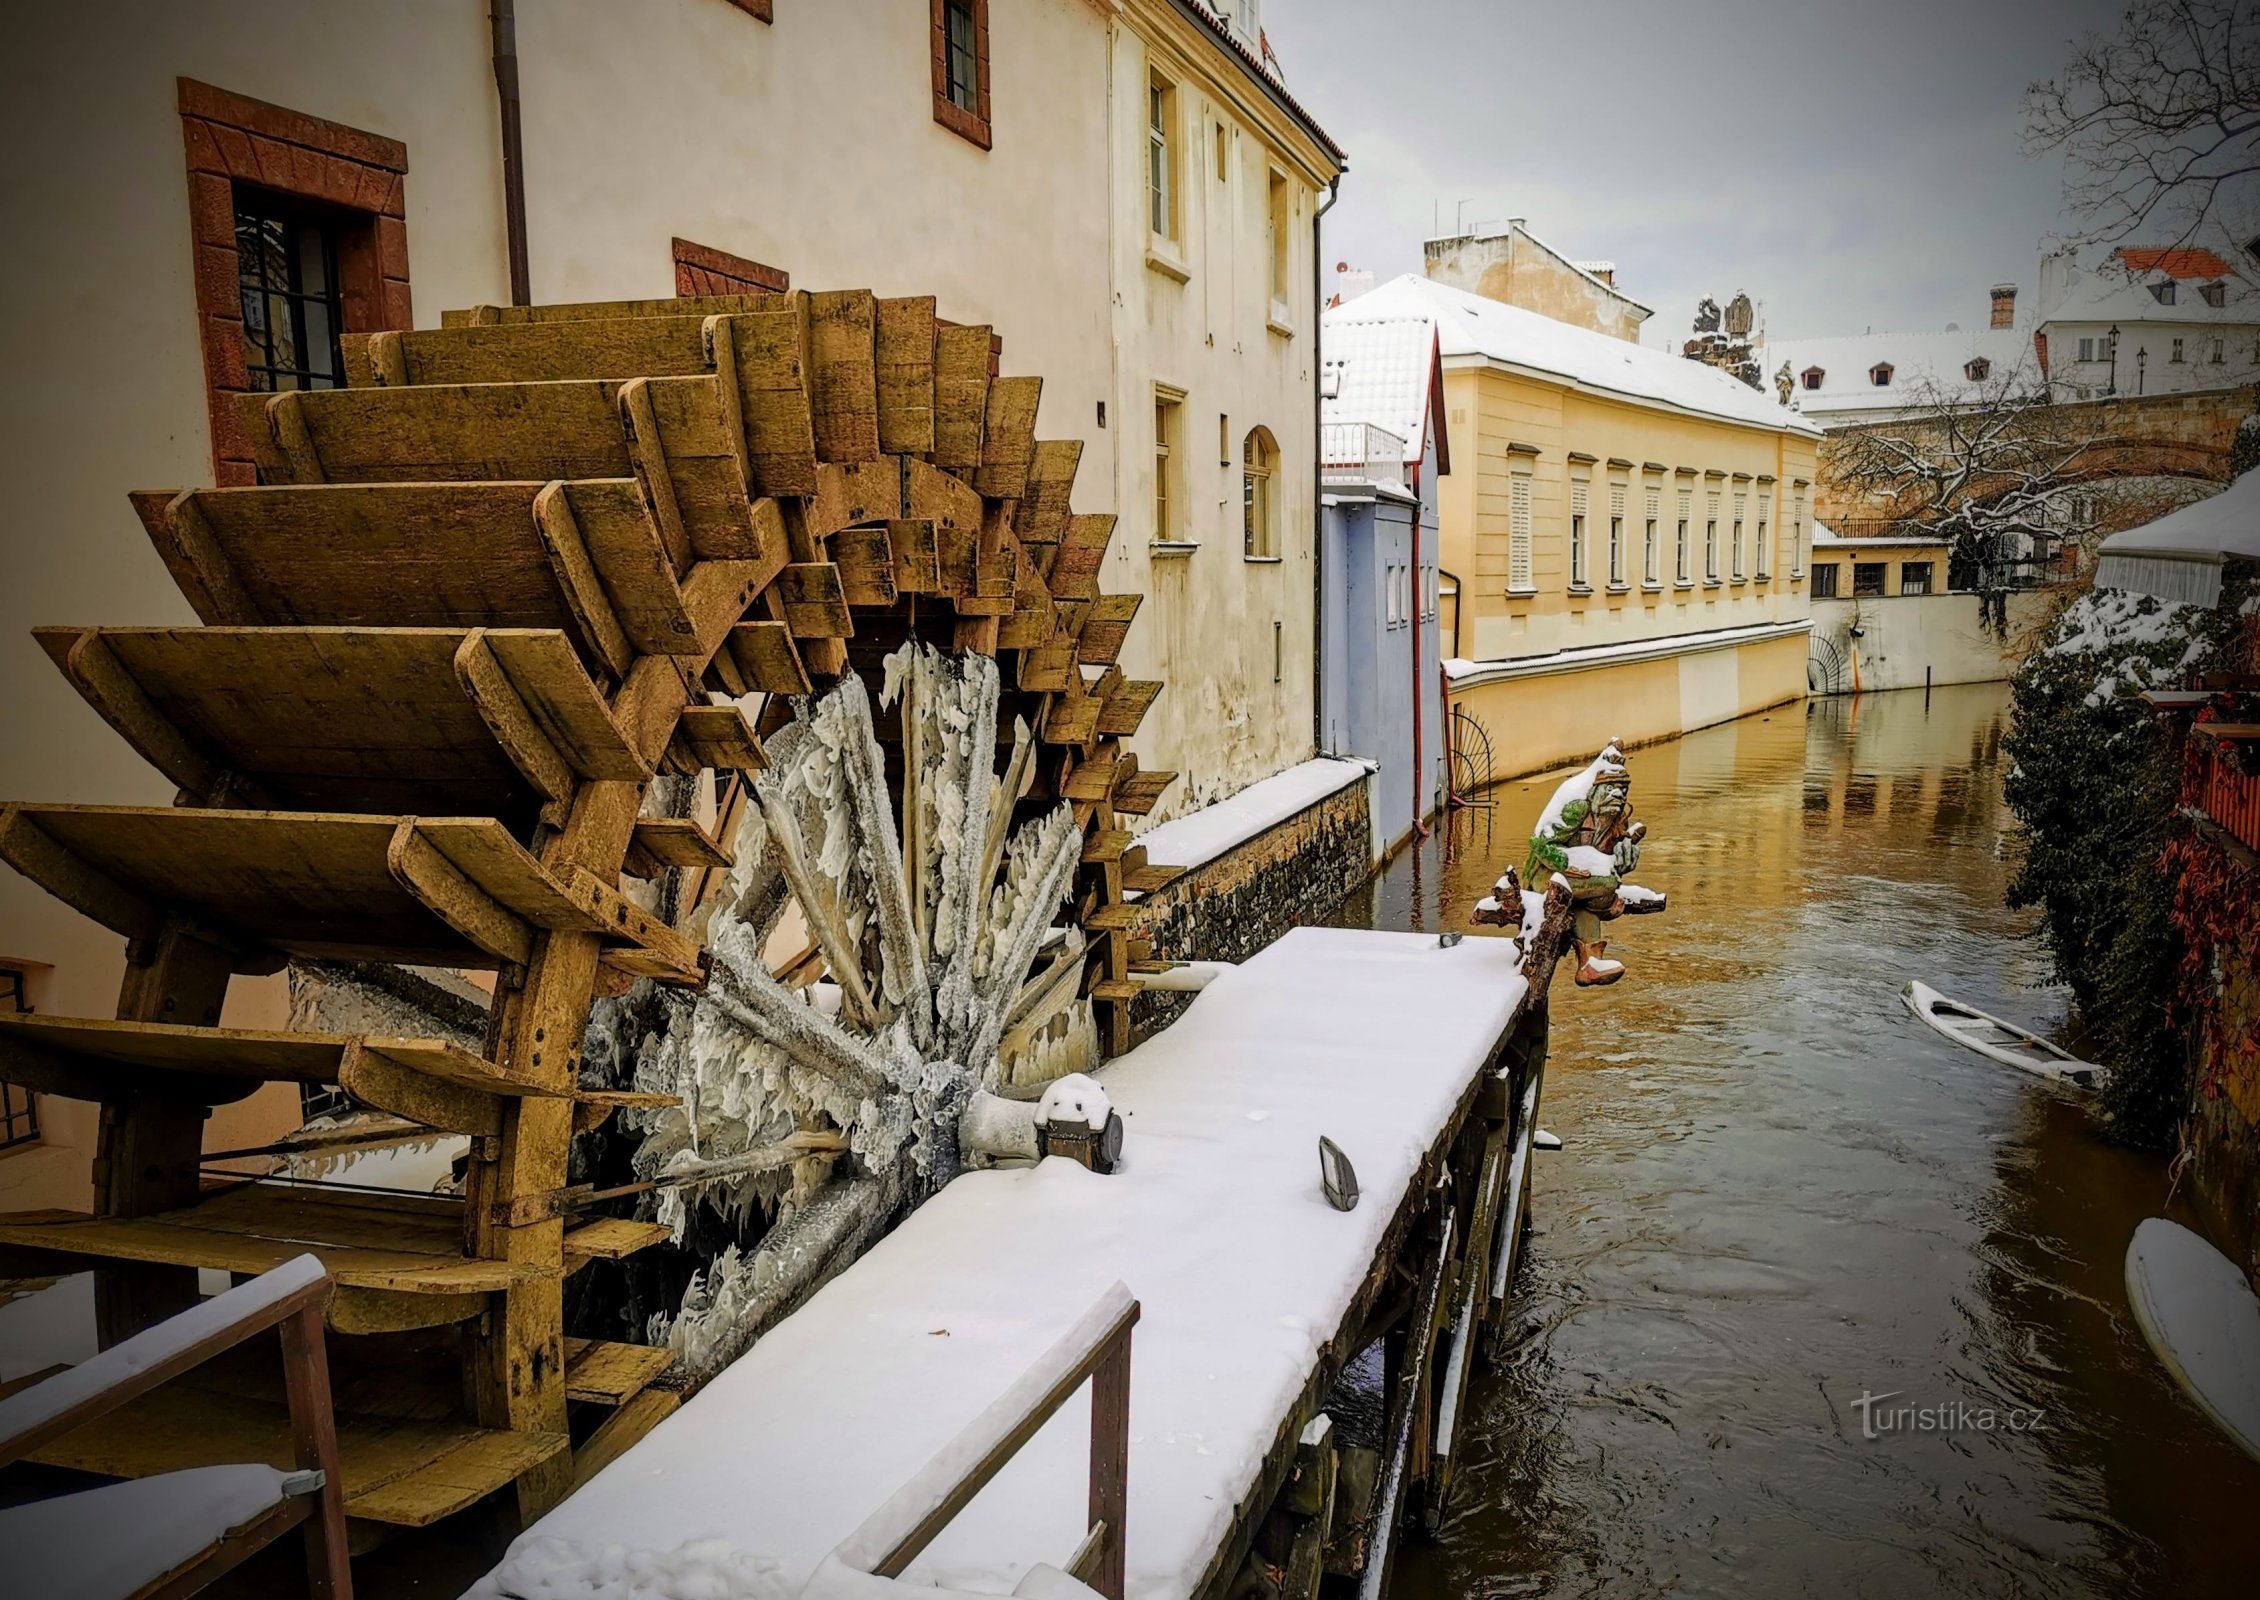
(1627, 532)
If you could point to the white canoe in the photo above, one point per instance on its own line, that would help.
(2004, 1042)
(2202, 1321)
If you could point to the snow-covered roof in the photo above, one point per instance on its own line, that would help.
(2112, 294)
(1924, 367)
(1378, 371)
(1468, 325)
(1261, 65)
(1827, 538)
(2179, 556)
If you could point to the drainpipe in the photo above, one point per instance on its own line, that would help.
(1419, 589)
(1318, 485)
(502, 18)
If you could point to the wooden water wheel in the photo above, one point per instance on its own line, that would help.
(480, 599)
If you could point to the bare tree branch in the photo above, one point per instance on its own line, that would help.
(2160, 127)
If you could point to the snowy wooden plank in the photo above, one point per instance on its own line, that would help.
(1228, 1106)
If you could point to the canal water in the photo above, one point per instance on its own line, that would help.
(1780, 1193)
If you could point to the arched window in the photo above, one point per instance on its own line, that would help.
(1259, 511)
(1880, 374)
(1977, 370)
(1812, 377)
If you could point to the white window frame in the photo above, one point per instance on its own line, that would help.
(1520, 579)
(1740, 568)
(1616, 536)
(1683, 555)
(1651, 555)
(1161, 157)
(1580, 497)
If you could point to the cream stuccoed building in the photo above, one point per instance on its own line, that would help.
(213, 190)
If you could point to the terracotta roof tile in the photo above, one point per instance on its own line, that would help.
(2188, 262)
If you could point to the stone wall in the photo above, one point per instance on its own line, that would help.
(1291, 875)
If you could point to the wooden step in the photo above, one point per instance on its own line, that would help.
(607, 1374)
(663, 842)
(418, 891)
(407, 1472)
(715, 736)
(584, 557)
(1142, 791)
(85, 1058)
(672, 435)
(1145, 880)
(532, 352)
(484, 722)
(611, 1239)
(1117, 989)
(397, 1259)
(426, 1081)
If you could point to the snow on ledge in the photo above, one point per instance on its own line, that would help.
(1202, 836)
(1466, 674)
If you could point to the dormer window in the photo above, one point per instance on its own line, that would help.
(2163, 293)
(1978, 370)
(1811, 377)
(2215, 294)
(1880, 375)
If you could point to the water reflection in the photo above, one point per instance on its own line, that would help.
(1780, 1192)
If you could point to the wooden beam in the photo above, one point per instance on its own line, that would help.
(844, 387)
(961, 396)
(906, 375)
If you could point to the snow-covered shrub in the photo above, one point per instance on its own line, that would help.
(2093, 787)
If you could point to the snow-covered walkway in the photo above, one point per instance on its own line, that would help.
(1216, 1222)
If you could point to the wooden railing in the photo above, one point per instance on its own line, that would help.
(291, 1296)
(2223, 789)
(1096, 1348)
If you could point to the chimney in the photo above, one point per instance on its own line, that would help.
(2004, 305)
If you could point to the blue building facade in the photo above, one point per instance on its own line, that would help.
(1381, 682)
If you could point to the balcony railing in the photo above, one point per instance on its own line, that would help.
(1359, 452)
(2223, 790)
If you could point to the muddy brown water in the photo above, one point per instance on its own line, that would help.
(1780, 1192)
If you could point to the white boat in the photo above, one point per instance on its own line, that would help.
(2005, 1042)
(2202, 1321)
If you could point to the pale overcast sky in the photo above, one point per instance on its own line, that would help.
(1847, 164)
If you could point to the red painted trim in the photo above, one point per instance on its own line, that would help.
(232, 139)
(970, 126)
(700, 269)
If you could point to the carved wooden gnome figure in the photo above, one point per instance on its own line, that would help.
(1587, 838)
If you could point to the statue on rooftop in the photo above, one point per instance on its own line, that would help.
(1588, 837)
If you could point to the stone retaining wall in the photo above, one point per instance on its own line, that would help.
(1293, 874)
